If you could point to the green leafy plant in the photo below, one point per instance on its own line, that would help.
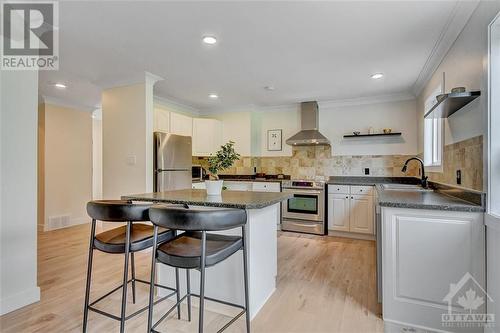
(223, 159)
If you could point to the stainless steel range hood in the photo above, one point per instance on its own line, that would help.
(309, 135)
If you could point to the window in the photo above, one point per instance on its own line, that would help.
(433, 136)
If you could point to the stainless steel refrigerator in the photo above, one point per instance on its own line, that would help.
(172, 162)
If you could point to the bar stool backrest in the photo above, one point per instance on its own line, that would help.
(117, 211)
(195, 219)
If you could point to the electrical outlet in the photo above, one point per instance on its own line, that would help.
(131, 160)
(367, 171)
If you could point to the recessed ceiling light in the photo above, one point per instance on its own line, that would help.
(213, 96)
(270, 88)
(211, 40)
(60, 85)
(377, 76)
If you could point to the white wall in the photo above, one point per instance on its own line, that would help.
(337, 120)
(286, 118)
(465, 65)
(249, 129)
(18, 190)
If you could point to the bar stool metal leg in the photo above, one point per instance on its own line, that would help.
(177, 294)
(89, 277)
(188, 289)
(132, 261)
(125, 279)
(245, 275)
(202, 279)
(153, 275)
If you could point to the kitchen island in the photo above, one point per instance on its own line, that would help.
(225, 280)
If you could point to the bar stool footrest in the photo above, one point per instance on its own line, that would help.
(112, 316)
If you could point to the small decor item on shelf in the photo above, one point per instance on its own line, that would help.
(370, 130)
(387, 130)
(274, 141)
(458, 90)
(222, 160)
(356, 132)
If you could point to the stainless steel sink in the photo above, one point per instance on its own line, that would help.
(405, 187)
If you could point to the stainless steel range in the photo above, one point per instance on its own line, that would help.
(305, 211)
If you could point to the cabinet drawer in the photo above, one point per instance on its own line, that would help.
(343, 189)
(265, 187)
(238, 186)
(362, 190)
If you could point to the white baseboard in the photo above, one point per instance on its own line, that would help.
(65, 223)
(351, 235)
(14, 302)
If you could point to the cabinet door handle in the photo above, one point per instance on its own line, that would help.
(347, 197)
(352, 197)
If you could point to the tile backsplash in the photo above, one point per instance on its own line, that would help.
(319, 164)
(466, 156)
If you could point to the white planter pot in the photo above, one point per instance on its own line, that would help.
(214, 187)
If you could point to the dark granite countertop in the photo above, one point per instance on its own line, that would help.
(424, 200)
(228, 199)
(444, 197)
(371, 181)
(248, 178)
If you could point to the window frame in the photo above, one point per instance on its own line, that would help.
(433, 135)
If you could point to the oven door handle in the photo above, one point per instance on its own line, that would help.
(302, 192)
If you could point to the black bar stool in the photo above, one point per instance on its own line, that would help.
(126, 240)
(195, 248)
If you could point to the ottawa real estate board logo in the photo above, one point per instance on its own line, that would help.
(467, 305)
(30, 35)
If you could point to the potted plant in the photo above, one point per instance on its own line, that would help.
(223, 159)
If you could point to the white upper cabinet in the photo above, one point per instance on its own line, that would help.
(161, 120)
(207, 136)
(181, 124)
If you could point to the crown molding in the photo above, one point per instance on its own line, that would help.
(133, 79)
(456, 22)
(65, 103)
(178, 106)
(367, 100)
(322, 104)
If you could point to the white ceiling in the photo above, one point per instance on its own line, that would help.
(306, 50)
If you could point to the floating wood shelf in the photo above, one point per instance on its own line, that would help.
(372, 135)
(450, 103)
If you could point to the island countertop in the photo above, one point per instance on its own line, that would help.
(228, 199)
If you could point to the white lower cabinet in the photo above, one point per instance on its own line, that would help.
(238, 185)
(350, 212)
(361, 218)
(199, 186)
(266, 187)
(245, 186)
(433, 266)
(338, 212)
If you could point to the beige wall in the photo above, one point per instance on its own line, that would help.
(68, 165)
(123, 135)
(97, 156)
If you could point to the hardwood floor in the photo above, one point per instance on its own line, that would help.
(325, 284)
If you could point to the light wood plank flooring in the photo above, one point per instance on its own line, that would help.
(325, 284)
